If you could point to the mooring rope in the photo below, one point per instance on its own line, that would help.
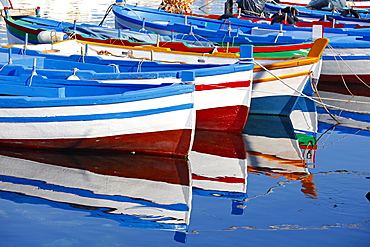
(302, 94)
(335, 54)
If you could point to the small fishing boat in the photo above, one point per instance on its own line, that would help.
(228, 30)
(276, 81)
(132, 118)
(348, 3)
(26, 28)
(352, 69)
(132, 191)
(277, 86)
(222, 97)
(320, 10)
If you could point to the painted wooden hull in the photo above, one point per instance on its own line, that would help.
(17, 30)
(222, 97)
(270, 94)
(140, 191)
(356, 3)
(279, 97)
(163, 22)
(313, 14)
(348, 68)
(161, 124)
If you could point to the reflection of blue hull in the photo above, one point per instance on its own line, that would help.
(343, 129)
(347, 114)
(238, 199)
(124, 220)
(135, 190)
(269, 126)
(221, 194)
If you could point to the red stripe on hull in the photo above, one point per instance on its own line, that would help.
(172, 143)
(234, 84)
(230, 119)
(347, 78)
(230, 145)
(281, 48)
(339, 87)
(149, 167)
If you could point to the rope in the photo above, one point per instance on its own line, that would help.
(200, 8)
(341, 58)
(109, 9)
(139, 66)
(314, 87)
(300, 93)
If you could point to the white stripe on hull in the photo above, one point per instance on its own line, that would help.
(346, 67)
(208, 99)
(99, 128)
(277, 88)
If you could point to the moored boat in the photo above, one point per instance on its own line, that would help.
(277, 86)
(222, 97)
(277, 82)
(147, 119)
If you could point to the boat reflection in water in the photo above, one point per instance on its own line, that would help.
(283, 147)
(135, 190)
(219, 167)
(348, 103)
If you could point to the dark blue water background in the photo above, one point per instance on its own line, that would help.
(324, 206)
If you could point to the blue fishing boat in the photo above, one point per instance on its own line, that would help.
(222, 97)
(323, 10)
(231, 29)
(271, 94)
(156, 119)
(27, 26)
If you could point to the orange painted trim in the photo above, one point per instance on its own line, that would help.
(165, 50)
(282, 77)
(287, 63)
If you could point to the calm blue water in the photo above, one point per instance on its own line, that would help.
(259, 188)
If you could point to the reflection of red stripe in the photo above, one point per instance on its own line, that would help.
(308, 147)
(230, 180)
(149, 167)
(233, 84)
(228, 145)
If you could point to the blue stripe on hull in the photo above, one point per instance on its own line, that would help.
(131, 96)
(95, 116)
(273, 105)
